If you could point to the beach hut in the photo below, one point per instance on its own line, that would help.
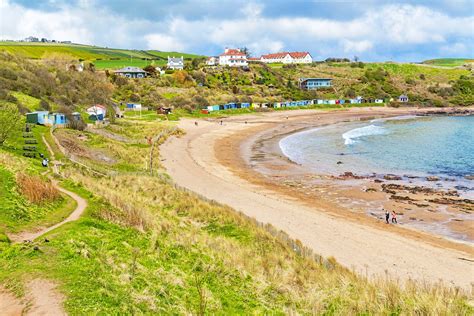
(378, 100)
(245, 105)
(38, 117)
(97, 112)
(134, 106)
(59, 119)
(76, 116)
(403, 98)
(210, 108)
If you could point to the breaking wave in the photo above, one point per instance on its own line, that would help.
(351, 136)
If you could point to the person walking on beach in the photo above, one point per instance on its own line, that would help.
(394, 217)
(387, 216)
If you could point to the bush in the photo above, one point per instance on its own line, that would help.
(11, 98)
(44, 105)
(37, 190)
(78, 125)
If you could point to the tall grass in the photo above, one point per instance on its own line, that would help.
(36, 190)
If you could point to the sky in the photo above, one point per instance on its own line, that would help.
(369, 29)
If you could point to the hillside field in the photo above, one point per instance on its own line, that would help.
(449, 62)
(102, 57)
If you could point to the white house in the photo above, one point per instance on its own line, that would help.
(288, 58)
(97, 112)
(212, 61)
(233, 58)
(175, 62)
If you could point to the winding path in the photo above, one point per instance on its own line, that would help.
(78, 211)
(80, 208)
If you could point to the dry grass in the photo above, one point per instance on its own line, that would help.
(36, 190)
(273, 260)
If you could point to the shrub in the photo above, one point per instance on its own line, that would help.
(37, 190)
(11, 98)
(10, 121)
(44, 105)
(422, 77)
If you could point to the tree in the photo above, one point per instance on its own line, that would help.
(44, 105)
(246, 51)
(10, 121)
(150, 69)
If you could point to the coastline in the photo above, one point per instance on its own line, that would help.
(225, 157)
(424, 203)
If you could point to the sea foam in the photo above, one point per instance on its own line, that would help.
(351, 136)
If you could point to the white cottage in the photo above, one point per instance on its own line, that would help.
(175, 62)
(288, 58)
(233, 58)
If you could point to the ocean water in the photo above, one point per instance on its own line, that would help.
(407, 145)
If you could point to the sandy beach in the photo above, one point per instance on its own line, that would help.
(239, 164)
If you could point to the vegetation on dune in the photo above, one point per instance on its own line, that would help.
(145, 246)
(23, 206)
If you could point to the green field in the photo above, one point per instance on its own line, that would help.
(102, 57)
(449, 62)
(116, 64)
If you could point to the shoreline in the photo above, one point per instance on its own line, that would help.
(223, 155)
(273, 170)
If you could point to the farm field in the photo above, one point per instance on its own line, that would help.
(102, 57)
(116, 64)
(449, 62)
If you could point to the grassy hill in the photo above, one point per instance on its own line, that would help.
(102, 57)
(449, 62)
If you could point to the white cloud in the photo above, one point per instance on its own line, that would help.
(164, 43)
(380, 33)
(357, 46)
(455, 50)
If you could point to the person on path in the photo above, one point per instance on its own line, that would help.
(387, 216)
(196, 123)
(394, 217)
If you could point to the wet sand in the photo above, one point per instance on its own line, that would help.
(239, 164)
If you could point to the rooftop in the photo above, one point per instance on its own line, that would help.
(283, 54)
(232, 52)
(131, 69)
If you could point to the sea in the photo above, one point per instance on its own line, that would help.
(409, 146)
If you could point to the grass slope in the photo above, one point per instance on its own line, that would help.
(449, 62)
(103, 57)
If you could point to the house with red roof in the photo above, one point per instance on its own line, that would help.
(233, 57)
(288, 58)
